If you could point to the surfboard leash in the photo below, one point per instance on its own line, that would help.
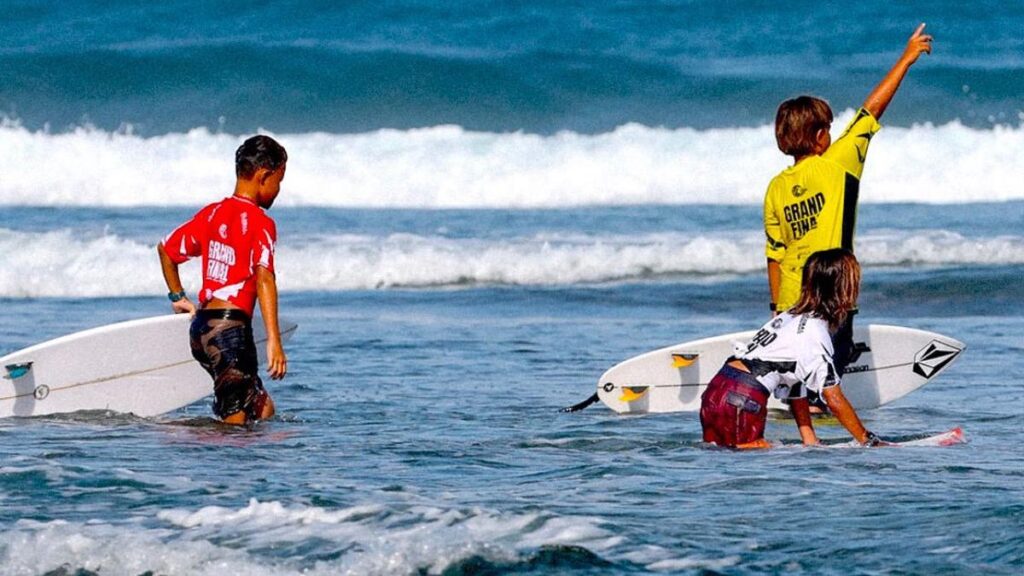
(581, 405)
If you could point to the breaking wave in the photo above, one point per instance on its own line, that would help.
(62, 264)
(450, 167)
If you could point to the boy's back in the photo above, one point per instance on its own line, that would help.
(812, 206)
(233, 236)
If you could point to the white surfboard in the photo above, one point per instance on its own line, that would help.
(948, 438)
(889, 362)
(952, 437)
(143, 367)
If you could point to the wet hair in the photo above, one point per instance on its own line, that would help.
(797, 123)
(259, 152)
(831, 284)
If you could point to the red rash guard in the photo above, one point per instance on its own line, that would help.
(233, 236)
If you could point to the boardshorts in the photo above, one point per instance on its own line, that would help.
(733, 408)
(222, 342)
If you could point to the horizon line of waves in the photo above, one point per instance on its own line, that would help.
(450, 167)
(60, 264)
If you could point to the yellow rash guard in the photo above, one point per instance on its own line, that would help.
(812, 206)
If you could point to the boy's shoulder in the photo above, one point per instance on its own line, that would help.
(793, 174)
(207, 212)
(831, 166)
(260, 218)
(232, 208)
(811, 327)
(245, 206)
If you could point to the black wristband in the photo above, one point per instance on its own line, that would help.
(872, 439)
(773, 307)
(176, 296)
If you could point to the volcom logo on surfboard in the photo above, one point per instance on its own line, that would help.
(934, 357)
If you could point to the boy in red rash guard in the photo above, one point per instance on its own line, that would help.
(235, 238)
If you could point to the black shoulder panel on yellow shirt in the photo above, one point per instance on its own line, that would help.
(850, 197)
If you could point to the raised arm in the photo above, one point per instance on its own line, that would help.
(879, 99)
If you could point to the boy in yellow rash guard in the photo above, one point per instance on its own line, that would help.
(812, 205)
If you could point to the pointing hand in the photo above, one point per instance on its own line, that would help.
(918, 44)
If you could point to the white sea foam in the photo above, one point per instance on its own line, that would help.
(447, 166)
(271, 538)
(60, 264)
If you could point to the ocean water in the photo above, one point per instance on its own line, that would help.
(487, 206)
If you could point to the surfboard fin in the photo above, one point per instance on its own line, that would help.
(683, 360)
(631, 394)
(15, 371)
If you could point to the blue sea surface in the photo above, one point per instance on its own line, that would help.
(418, 432)
(487, 205)
(299, 66)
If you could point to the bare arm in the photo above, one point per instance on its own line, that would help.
(845, 413)
(173, 280)
(879, 99)
(801, 410)
(266, 292)
(775, 249)
(774, 279)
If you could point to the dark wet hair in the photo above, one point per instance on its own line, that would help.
(797, 123)
(831, 286)
(259, 152)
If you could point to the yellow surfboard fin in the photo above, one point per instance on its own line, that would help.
(632, 394)
(683, 360)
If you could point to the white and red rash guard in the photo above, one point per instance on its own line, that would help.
(234, 236)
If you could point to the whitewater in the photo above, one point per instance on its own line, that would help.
(486, 206)
(452, 167)
(63, 263)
